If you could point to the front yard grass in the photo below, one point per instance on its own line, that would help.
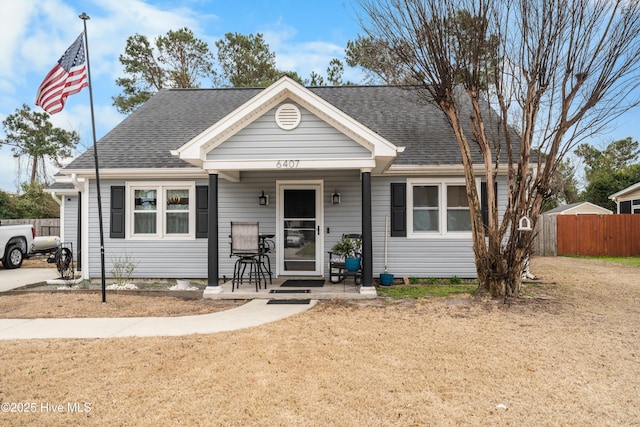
(426, 291)
(631, 261)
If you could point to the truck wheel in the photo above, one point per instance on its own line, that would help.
(13, 258)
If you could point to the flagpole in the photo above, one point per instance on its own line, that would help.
(85, 18)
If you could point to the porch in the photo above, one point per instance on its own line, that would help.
(276, 291)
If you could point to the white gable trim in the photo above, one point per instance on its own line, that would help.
(626, 193)
(195, 151)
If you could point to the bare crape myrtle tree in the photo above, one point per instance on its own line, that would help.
(538, 76)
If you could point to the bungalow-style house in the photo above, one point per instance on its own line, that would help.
(309, 162)
(579, 208)
(628, 200)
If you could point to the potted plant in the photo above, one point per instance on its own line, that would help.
(349, 248)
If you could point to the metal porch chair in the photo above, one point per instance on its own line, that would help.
(245, 245)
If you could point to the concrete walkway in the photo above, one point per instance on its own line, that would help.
(253, 313)
(12, 279)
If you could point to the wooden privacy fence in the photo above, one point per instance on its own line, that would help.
(44, 226)
(595, 235)
(545, 240)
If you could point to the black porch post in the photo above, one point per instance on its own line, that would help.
(212, 243)
(367, 240)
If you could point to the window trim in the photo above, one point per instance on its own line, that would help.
(161, 211)
(442, 185)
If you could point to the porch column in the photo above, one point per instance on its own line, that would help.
(367, 241)
(212, 238)
(79, 235)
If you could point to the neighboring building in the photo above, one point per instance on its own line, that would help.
(628, 200)
(185, 164)
(579, 208)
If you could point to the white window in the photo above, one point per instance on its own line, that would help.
(438, 208)
(458, 214)
(145, 211)
(161, 210)
(426, 211)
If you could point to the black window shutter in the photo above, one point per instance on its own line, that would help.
(625, 207)
(117, 212)
(202, 211)
(398, 209)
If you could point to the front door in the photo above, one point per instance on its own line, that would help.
(299, 224)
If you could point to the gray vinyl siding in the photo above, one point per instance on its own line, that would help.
(312, 139)
(420, 257)
(415, 257)
(153, 258)
(238, 201)
(70, 226)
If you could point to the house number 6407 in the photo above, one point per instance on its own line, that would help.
(291, 164)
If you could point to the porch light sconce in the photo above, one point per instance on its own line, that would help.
(335, 197)
(524, 224)
(263, 199)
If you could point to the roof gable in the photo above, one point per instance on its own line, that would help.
(578, 208)
(198, 150)
(627, 193)
(310, 138)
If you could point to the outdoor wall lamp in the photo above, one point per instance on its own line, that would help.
(263, 199)
(335, 197)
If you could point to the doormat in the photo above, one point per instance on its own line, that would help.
(298, 283)
(289, 291)
(289, 301)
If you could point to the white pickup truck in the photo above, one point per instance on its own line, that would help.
(15, 243)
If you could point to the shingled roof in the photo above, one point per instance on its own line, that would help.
(172, 117)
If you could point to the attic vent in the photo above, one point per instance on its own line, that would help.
(288, 116)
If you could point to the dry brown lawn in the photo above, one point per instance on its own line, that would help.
(44, 304)
(568, 355)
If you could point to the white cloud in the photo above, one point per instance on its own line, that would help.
(302, 57)
(13, 22)
(307, 57)
(9, 170)
(35, 33)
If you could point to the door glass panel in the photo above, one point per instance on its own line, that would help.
(299, 230)
(300, 204)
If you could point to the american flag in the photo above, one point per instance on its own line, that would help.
(67, 77)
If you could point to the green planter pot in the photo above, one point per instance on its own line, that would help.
(352, 264)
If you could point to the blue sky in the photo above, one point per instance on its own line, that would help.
(305, 36)
(36, 33)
